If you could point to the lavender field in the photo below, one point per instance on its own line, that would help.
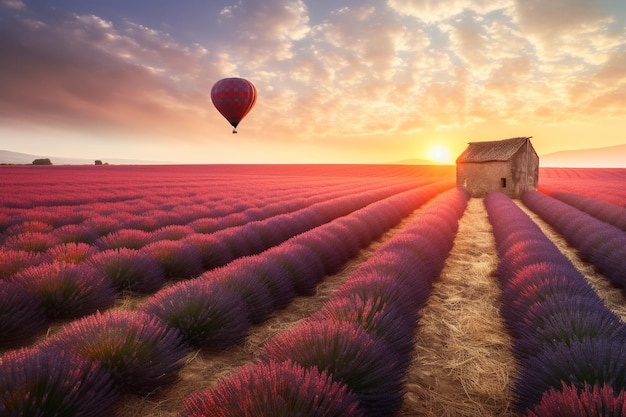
(318, 290)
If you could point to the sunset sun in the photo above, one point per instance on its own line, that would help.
(439, 153)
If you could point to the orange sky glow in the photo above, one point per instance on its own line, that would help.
(338, 82)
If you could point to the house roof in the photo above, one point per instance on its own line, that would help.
(497, 150)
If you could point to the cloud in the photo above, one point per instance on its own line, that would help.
(80, 70)
(266, 30)
(553, 18)
(13, 4)
(613, 71)
(356, 74)
(433, 11)
(368, 70)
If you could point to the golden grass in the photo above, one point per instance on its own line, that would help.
(462, 364)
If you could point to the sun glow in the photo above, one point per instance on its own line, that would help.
(439, 153)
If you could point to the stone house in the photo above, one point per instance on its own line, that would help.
(510, 166)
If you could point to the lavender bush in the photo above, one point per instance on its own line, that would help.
(213, 251)
(54, 382)
(124, 238)
(171, 232)
(382, 320)
(592, 400)
(271, 274)
(607, 212)
(592, 361)
(275, 390)
(31, 241)
(13, 261)
(67, 290)
(600, 243)
(177, 258)
(140, 352)
(367, 365)
(70, 252)
(207, 314)
(21, 315)
(245, 283)
(129, 270)
(76, 233)
(304, 266)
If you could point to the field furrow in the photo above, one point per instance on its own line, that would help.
(462, 364)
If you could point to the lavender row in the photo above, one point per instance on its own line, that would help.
(609, 213)
(62, 290)
(139, 184)
(597, 242)
(87, 223)
(270, 280)
(85, 368)
(598, 183)
(351, 356)
(40, 243)
(88, 364)
(569, 346)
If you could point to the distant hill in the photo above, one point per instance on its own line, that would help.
(608, 157)
(9, 157)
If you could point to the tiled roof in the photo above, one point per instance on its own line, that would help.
(497, 150)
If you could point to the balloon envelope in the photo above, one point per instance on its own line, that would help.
(233, 98)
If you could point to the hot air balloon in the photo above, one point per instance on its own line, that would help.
(233, 98)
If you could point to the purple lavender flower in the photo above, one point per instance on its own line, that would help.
(12, 261)
(275, 389)
(384, 289)
(54, 382)
(139, 351)
(207, 313)
(272, 274)
(367, 365)
(380, 319)
(70, 252)
(177, 258)
(124, 238)
(171, 232)
(254, 292)
(67, 290)
(21, 315)
(213, 251)
(31, 241)
(326, 246)
(592, 361)
(129, 270)
(76, 233)
(592, 400)
(304, 266)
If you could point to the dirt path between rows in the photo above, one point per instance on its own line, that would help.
(462, 364)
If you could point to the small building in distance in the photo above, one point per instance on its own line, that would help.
(510, 166)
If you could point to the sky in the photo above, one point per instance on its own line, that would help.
(338, 81)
